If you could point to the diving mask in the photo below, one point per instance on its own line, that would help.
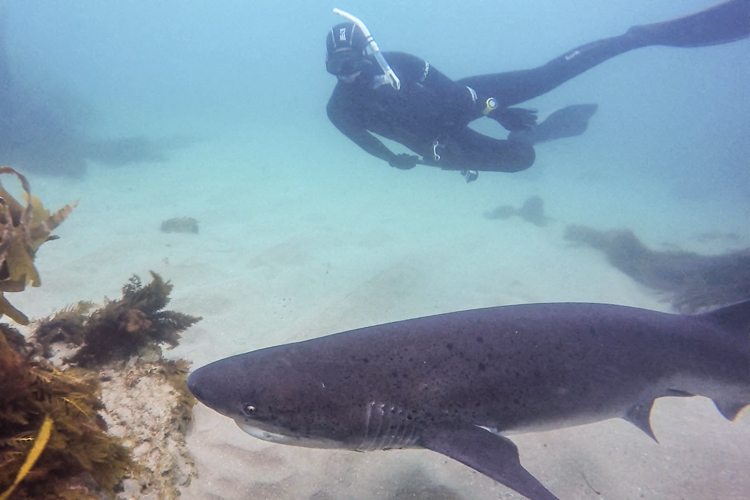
(345, 62)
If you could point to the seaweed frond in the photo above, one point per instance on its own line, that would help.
(23, 228)
(119, 329)
(39, 444)
(67, 326)
(53, 421)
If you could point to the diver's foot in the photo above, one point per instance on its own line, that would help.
(569, 121)
(470, 175)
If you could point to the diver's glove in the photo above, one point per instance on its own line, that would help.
(514, 119)
(404, 161)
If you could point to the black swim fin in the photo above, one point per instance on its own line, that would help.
(514, 119)
(569, 121)
(723, 23)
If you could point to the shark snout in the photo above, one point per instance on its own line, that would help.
(193, 383)
(209, 386)
(217, 385)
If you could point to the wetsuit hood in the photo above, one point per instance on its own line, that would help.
(346, 50)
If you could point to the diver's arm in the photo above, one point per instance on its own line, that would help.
(357, 133)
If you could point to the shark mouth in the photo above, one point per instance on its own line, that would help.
(280, 438)
(263, 434)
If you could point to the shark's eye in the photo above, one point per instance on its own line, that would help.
(248, 409)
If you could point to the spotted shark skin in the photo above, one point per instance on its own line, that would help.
(458, 383)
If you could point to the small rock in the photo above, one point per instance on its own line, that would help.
(180, 225)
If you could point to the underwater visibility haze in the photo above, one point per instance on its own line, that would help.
(195, 137)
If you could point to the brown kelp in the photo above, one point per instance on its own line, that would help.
(117, 410)
(53, 443)
(119, 329)
(83, 412)
(145, 398)
(691, 281)
(78, 459)
(23, 229)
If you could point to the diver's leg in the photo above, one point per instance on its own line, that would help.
(470, 150)
(515, 87)
(723, 23)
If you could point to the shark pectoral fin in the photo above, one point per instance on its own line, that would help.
(488, 453)
(640, 416)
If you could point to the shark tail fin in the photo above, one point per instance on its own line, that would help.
(734, 318)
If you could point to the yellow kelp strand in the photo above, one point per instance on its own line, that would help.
(41, 441)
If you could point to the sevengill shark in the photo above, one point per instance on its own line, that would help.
(457, 383)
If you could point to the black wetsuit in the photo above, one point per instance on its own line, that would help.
(430, 112)
(428, 107)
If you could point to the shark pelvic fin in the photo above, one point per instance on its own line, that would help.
(488, 453)
(729, 409)
(640, 415)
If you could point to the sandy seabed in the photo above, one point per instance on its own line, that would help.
(288, 250)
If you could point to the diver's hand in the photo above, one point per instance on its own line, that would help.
(404, 161)
(515, 119)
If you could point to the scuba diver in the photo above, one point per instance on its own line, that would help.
(404, 98)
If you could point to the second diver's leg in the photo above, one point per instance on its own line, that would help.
(723, 23)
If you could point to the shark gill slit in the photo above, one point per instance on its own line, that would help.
(378, 435)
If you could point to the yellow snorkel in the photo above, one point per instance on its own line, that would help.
(374, 49)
